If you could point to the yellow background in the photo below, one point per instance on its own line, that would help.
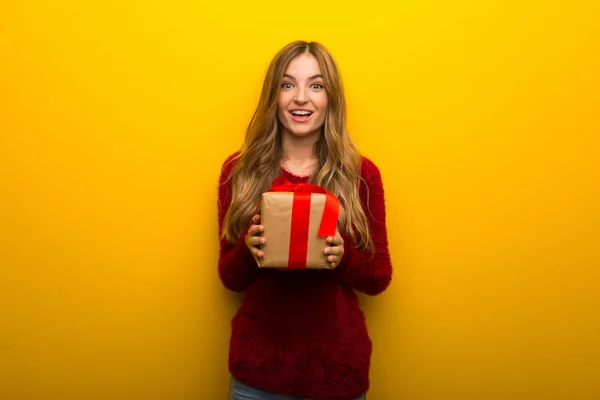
(115, 118)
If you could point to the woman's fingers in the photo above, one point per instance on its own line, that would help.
(255, 230)
(253, 243)
(257, 253)
(336, 240)
(257, 240)
(335, 251)
(333, 261)
(254, 239)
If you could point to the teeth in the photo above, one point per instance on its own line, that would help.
(301, 112)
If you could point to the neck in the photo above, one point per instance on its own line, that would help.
(298, 153)
(298, 149)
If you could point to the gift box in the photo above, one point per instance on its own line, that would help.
(297, 218)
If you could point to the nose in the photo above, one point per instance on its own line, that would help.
(300, 95)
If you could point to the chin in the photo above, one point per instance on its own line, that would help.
(305, 133)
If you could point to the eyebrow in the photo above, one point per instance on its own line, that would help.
(311, 78)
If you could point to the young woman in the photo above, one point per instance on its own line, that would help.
(300, 334)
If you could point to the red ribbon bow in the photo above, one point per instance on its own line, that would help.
(301, 216)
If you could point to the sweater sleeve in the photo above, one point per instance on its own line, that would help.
(367, 272)
(237, 267)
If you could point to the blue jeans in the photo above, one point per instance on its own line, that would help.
(239, 391)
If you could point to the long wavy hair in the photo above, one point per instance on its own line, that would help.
(258, 161)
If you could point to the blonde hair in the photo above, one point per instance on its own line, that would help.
(258, 162)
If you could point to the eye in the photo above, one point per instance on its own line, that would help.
(317, 86)
(286, 85)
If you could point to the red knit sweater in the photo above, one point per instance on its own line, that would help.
(301, 332)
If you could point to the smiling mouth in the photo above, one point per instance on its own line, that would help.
(301, 113)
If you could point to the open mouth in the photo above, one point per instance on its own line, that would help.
(300, 115)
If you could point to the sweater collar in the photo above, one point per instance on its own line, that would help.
(292, 177)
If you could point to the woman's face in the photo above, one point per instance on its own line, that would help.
(302, 102)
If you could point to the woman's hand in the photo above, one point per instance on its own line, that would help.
(335, 251)
(254, 239)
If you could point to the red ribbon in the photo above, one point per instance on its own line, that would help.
(301, 217)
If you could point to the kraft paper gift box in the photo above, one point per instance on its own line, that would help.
(297, 218)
